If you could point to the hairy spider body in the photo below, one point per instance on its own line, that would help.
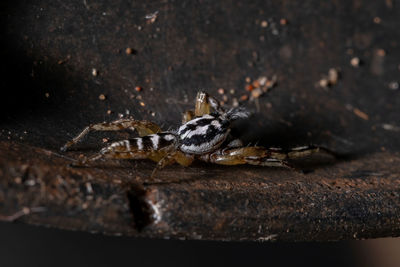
(207, 133)
(203, 136)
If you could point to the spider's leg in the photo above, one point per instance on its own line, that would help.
(176, 156)
(154, 147)
(125, 149)
(304, 151)
(248, 155)
(142, 127)
(260, 155)
(187, 116)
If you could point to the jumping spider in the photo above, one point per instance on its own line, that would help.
(204, 135)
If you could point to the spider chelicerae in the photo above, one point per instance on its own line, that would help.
(204, 135)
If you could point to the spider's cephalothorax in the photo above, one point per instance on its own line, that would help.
(207, 133)
(203, 136)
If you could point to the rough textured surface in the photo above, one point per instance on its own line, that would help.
(351, 199)
(51, 48)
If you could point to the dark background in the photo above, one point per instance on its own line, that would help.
(23, 245)
(50, 48)
(26, 245)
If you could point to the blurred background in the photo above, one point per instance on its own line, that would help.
(23, 245)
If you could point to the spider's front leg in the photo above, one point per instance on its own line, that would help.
(142, 127)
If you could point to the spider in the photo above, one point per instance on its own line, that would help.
(204, 135)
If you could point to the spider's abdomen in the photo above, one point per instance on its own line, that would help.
(202, 135)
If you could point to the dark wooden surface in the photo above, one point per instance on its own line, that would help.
(49, 50)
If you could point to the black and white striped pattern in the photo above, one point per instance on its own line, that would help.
(146, 143)
(202, 135)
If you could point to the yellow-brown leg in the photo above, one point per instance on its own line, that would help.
(259, 156)
(125, 150)
(246, 155)
(142, 127)
(304, 151)
(187, 116)
(176, 156)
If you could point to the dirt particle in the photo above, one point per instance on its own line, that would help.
(381, 52)
(105, 140)
(256, 93)
(360, 114)
(333, 76)
(129, 51)
(235, 102)
(138, 89)
(283, 21)
(330, 79)
(390, 127)
(152, 17)
(256, 83)
(18, 180)
(102, 97)
(95, 72)
(323, 83)
(377, 20)
(142, 104)
(249, 87)
(62, 61)
(244, 97)
(393, 85)
(264, 24)
(221, 91)
(109, 112)
(355, 62)
(47, 95)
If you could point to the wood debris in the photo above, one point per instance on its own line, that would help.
(331, 79)
(360, 114)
